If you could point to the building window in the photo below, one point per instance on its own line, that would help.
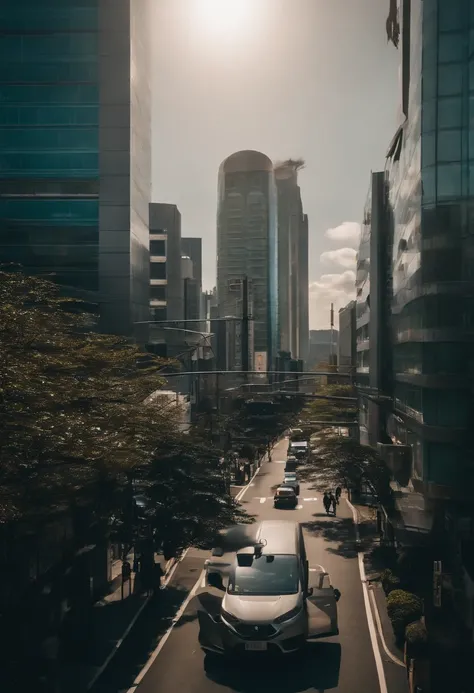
(158, 293)
(157, 270)
(158, 248)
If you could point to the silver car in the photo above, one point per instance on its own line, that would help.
(268, 599)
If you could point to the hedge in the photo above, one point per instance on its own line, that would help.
(416, 637)
(389, 581)
(403, 608)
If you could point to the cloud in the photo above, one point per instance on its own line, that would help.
(343, 257)
(348, 232)
(330, 288)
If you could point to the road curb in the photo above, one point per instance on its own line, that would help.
(373, 602)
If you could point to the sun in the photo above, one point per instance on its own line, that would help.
(224, 17)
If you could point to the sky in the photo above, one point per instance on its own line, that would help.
(291, 78)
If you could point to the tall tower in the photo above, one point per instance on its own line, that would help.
(292, 261)
(75, 154)
(247, 244)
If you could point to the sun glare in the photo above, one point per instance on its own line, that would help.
(224, 17)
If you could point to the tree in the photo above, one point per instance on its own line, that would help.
(187, 496)
(340, 461)
(330, 410)
(71, 400)
(77, 423)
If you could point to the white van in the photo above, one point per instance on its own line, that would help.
(266, 598)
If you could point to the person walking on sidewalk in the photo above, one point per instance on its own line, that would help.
(247, 471)
(338, 494)
(333, 502)
(326, 502)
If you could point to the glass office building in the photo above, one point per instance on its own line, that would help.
(430, 163)
(75, 170)
(247, 244)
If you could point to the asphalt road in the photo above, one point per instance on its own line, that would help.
(345, 663)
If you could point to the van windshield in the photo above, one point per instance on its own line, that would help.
(266, 577)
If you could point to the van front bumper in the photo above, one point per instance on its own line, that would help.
(266, 637)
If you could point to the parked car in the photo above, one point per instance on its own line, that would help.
(291, 464)
(291, 480)
(285, 497)
(299, 450)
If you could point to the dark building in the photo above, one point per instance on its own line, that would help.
(293, 279)
(430, 285)
(75, 150)
(346, 351)
(166, 284)
(193, 300)
(373, 366)
(322, 347)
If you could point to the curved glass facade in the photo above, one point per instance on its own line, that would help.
(247, 243)
(433, 238)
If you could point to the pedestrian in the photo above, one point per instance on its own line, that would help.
(247, 471)
(333, 503)
(326, 502)
(338, 494)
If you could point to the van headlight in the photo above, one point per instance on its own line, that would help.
(289, 615)
(230, 618)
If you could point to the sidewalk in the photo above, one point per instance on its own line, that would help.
(392, 655)
(112, 620)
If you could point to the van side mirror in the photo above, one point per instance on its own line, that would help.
(337, 594)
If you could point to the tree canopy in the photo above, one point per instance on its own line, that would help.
(74, 417)
(341, 461)
(330, 410)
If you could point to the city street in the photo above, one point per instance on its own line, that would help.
(345, 664)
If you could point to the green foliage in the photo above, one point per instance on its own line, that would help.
(390, 582)
(343, 461)
(329, 409)
(186, 490)
(77, 423)
(248, 452)
(416, 637)
(403, 608)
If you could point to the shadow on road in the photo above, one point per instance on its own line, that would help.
(136, 649)
(336, 531)
(317, 667)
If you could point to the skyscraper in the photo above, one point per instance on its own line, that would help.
(75, 152)
(293, 279)
(247, 244)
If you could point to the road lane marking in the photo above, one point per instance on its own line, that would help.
(181, 611)
(310, 499)
(262, 500)
(279, 462)
(299, 507)
(368, 610)
(165, 637)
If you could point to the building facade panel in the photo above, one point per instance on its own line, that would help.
(433, 253)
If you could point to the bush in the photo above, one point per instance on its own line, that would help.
(403, 608)
(416, 637)
(390, 582)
